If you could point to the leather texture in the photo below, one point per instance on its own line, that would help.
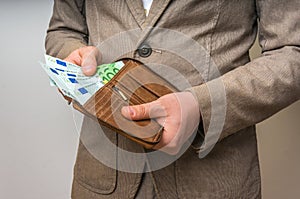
(134, 84)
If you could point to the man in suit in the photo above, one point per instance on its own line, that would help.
(227, 95)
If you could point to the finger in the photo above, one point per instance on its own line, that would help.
(90, 57)
(168, 145)
(144, 111)
(161, 121)
(74, 58)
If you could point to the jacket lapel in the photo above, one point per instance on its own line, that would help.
(137, 10)
(146, 23)
(157, 9)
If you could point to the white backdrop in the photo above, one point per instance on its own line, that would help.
(38, 138)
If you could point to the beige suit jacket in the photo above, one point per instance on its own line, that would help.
(253, 90)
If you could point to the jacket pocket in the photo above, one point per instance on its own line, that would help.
(90, 171)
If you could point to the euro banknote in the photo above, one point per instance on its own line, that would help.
(69, 78)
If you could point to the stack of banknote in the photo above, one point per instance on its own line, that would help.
(71, 81)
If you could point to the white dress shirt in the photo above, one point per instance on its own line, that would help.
(147, 5)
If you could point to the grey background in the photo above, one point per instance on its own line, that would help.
(38, 137)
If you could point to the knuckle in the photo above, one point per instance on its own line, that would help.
(143, 111)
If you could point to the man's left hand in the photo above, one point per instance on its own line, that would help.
(178, 113)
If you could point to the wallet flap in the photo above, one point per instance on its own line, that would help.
(133, 84)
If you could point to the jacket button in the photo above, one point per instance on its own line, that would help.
(144, 50)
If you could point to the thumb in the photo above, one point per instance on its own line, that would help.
(89, 61)
(143, 111)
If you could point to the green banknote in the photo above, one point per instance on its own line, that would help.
(107, 71)
(70, 79)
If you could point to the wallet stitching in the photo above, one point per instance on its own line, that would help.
(105, 117)
(141, 85)
(148, 143)
(101, 106)
(96, 101)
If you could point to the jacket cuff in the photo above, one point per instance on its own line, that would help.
(211, 98)
(68, 47)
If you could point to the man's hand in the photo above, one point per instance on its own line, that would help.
(178, 113)
(87, 57)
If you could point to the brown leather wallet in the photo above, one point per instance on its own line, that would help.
(134, 84)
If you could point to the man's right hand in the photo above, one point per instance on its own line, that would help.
(87, 57)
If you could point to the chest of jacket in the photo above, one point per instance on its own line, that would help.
(198, 39)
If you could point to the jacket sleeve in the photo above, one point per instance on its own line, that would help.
(259, 89)
(67, 29)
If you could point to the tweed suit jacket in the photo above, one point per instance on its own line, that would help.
(253, 90)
